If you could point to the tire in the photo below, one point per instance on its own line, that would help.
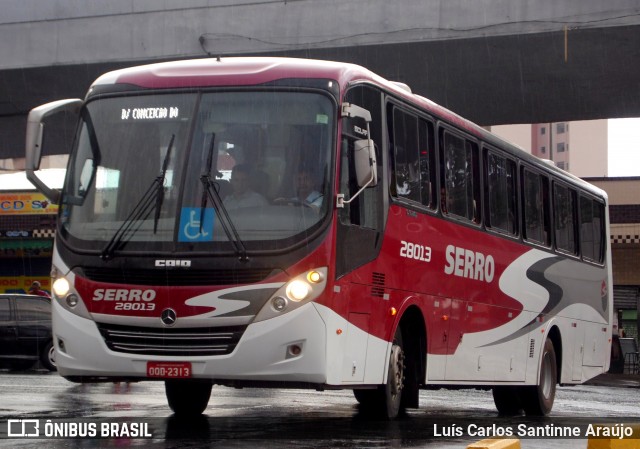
(386, 401)
(366, 398)
(48, 357)
(538, 400)
(188, 397)
(507, 400)
(392, 390)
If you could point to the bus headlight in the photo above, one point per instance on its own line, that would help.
(298, 291)
(61, 287)
(66, 296)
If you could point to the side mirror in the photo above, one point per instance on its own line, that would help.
(34, 138)
(365, 163)
(364, 155)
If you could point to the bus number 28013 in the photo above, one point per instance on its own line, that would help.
(415, 251)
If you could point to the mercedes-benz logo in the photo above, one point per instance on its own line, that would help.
(168, 317)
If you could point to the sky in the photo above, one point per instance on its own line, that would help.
(624, 147)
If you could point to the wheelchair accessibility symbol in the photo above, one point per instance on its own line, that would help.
(190, 229)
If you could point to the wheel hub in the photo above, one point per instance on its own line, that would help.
(396, 373)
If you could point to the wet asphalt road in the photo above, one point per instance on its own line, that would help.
(239, 418)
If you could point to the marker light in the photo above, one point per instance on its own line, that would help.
(61, 287)
(314, 277)
(298, 290)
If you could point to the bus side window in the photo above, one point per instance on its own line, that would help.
(592, 230)
(501, 193)
(460, 178)
(412, 144)
(427, 163)
(407, 162)
(535, 194)
(565, 219)
(599, 229)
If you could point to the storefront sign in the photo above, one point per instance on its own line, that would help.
(25, 204)
(21, 284)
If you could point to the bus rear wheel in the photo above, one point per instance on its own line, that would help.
(507, 400)
(188, 397)
(538, 400)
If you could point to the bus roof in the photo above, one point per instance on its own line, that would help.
(239, 71)
(251, 71)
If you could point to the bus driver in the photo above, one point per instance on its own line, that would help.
(242, 195)
(306, 193)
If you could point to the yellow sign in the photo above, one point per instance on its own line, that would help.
(26, 204)
(21, 284)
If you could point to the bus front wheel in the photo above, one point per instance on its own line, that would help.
(188, 397)
(386, 400)
(392, 390)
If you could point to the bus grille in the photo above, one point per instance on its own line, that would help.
(171, 342)
(176, 277)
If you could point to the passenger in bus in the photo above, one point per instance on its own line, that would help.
(242, 196)
(443, 201)
(306, 193)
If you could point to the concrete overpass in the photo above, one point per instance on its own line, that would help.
(493, 61)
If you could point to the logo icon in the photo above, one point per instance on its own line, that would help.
(604, 295)
(23, 428)
(168, 317)
(191, 229)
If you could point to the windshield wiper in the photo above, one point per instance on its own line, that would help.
(151, 199)
(160, 184)
(209, 191)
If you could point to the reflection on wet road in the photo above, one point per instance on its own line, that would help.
(291, 418)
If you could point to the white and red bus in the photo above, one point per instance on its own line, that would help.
(309, 224)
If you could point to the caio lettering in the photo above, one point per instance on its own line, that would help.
(172, 263)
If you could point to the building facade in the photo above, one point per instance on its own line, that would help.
(27, 228)
(580, 147)
(551, 141)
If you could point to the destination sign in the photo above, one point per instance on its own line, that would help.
(160, 113)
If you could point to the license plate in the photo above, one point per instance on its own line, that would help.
(169, 370)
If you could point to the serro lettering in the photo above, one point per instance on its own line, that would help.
(469, 264)
(122, 294)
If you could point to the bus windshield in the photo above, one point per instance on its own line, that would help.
(190, 172)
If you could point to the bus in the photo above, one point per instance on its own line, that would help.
(429, 254)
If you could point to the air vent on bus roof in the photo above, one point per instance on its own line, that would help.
(549, 161)
(402, 86)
